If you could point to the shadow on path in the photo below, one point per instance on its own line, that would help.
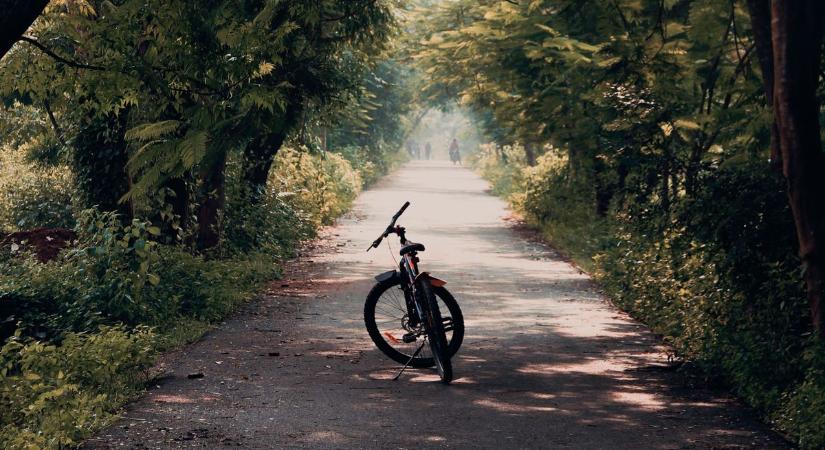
(546, 362)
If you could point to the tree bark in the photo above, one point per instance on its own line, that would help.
(99, 158)
(530, 153)
(797, 39)
(212, 206)
(258, 158)
(15, 18)
(760, 12)
(260, 153)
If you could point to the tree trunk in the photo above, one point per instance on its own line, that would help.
(604, 188)
(694, 163)
(99, 163)
(15, 18)
(530, 153)
(760, 12)
(260, 153)
(258, 158)
(211, 208)
(797, 39)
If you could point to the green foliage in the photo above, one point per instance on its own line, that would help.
(98, 161)
(55, 395)
(372, 128)
(654, 134)
(319, 187)
(721, 286)
(804, 411)
(33, 196)
(167, 97)
(151, 116)
(500, 165)
(120, 276)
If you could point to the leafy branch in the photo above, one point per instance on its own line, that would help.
(78, 65)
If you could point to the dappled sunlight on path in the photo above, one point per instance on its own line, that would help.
(546, 361)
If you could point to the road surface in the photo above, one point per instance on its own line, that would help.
(546, 362)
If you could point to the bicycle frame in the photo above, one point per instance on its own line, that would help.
(408, 273)
(422, 316)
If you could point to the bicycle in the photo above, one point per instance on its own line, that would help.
(398, 323)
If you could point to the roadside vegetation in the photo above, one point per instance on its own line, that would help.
(160, 160)
(637, 136)
(158, 163)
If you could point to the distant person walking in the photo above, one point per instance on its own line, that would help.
(455, 155)
(428, 150)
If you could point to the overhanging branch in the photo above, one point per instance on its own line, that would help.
(32, 41)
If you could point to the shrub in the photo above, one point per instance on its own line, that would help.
(102, 280)
(559, 205)
(359, 157)
(55, 395)
(501, 166)
(803, 413)
(722, 286)
(271, 225)
(81, 342)
(320, 188)
(33, 196)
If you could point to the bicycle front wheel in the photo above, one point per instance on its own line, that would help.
(435, 332)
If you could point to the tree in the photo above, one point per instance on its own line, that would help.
(193, 83)
(794, 42)
(17, 16)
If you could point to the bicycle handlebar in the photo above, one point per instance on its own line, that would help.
(398, 214)
(390, 227)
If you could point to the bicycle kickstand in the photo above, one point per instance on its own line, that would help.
(407, 364)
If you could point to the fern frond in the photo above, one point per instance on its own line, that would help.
(150, 131)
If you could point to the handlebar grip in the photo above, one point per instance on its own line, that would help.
(401, 211)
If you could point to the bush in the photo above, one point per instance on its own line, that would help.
(55, 395)
(271, 225)
(81, 344)
(502, 167)
(320, 188)
(32, 196)
(207, 290)
(102, 280)
(722, 286)
(560, 206)
(803, 413)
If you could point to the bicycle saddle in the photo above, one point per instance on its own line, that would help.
(411, 247)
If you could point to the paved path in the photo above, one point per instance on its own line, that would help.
(546, 363)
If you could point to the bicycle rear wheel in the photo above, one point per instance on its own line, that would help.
(387, 321)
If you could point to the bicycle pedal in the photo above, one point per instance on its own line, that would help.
(392, 338)
(409, 337)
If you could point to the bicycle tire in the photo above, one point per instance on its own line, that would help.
(435, 330)
(392, 352)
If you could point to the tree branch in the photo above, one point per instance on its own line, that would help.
(56, 57)
(57, 130)
(351, 13)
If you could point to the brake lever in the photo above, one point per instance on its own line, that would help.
(377, 242)
(374, 244)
